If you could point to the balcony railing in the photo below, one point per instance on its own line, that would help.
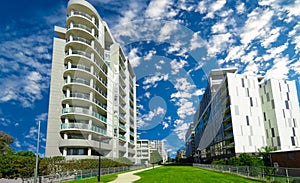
(84, 127)
(80, 39)
(84, 111)
(83, 14)
(122, 126)
(79, 52)
(81, 27)
(79, 66)
(122, 137)
(80, 95)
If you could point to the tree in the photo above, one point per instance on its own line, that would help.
(155, 157)
(5, 142)
(264, 152)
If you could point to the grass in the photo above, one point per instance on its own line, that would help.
(179, 174)
(104, 179)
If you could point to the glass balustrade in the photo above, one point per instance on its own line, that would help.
(81, 27)
(83, 126)
(84, 111)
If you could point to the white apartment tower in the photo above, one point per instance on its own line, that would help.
(92, 90)
(281, 113)
(242, 113)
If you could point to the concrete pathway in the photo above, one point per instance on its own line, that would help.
(128, 177)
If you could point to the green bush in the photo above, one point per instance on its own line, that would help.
(296, 181)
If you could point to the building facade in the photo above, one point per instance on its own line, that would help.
(92, 90)
(146, 147)
(231, 118)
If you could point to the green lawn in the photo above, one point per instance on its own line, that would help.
(179, 174)
(104, 178)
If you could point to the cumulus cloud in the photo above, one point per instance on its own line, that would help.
(152, 81)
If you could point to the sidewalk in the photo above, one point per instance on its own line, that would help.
(128, 177)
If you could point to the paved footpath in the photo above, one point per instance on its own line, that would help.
(128, 177)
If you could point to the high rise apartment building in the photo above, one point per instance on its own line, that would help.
(92, 91)
(242, 113)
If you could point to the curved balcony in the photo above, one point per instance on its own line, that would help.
(83, 143)
(87, 83)
(87, 56)
(88, 69)
(81, 26)
(84, 111)
(84, 15)
(86, 97)
(82, 126)
(80, 39)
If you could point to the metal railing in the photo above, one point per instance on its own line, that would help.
(279, 174)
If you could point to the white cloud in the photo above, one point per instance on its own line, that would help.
(215, 6)
(176, 66)
(180, 129)
(147, 94)
(257, 25)
(150, 55)
(145, 119)
(134, 59)
(157, 8)
(196, 42)
(41, 117)
(279, 70)
(219, 43)
(273, 35)
(240, 8)
(151, 81)
(219, 27)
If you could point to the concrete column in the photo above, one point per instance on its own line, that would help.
(92, 56)
(92, 69)
(93, 44)
(70, 51)
(93, 31)
(68, 79)
(93, 19)
(65, 152)
(68, 93)
(91, 96)
(91, 82)
(69, 64)
(71, 37)
(89, 151)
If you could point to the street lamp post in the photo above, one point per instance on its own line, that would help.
(37, 154)
(99, 160)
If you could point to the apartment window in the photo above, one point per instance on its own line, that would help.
(279, 87)
(278, 141)
(268, 97)
(265, 89)
(248, 94)
(243, 82)
(247, 120)
(272, 103)
(287, 105)
(251, 102)
(294, 134)
(273, 132)
(283, 113)
(267, 134)
(77, 151)
(287, 96)
(288, 87)
(265, 117)
(293, 141)
(294, 121)
(262, 99)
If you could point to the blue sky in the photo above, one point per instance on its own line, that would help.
(172, 45)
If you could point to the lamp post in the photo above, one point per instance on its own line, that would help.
(99, 160)
(37, 154)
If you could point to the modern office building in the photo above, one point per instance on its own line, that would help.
(146, 147)
(92, 90)
(240, 114)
